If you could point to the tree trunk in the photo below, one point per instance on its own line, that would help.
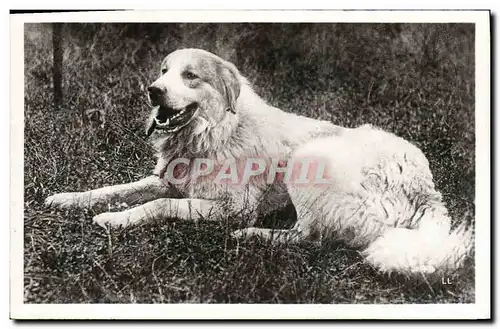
(58, 58)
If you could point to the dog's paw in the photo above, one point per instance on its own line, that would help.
(112, 219)
(62, 200)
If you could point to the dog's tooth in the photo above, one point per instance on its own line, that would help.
(167, 122)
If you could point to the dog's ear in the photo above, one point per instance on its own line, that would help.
(230, 84)
(150, 126)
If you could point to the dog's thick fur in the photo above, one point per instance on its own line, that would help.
(382, 199)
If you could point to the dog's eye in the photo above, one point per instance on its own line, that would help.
(163, 71)
(190, 75)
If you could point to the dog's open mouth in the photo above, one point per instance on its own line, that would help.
(171, 120)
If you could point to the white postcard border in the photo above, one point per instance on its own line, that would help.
(481, 307)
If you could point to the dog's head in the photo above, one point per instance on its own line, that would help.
(195, 88)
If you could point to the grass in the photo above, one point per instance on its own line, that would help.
(414, 80)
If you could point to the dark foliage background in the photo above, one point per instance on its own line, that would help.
(415, 80)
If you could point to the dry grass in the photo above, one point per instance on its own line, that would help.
(414, 80)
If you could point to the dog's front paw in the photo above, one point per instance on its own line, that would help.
(63, 200)
(112, 219)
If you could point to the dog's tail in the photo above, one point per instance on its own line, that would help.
(432, 248)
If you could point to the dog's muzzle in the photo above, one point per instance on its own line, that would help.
(171, 120)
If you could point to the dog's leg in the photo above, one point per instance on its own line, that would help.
(279, 236)
(186, 209)
(144, 190)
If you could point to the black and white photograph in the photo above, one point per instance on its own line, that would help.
(310, 162)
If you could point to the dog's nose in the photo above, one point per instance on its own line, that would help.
(156, 95)
(154, 90)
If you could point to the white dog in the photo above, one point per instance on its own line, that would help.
(378, 194)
